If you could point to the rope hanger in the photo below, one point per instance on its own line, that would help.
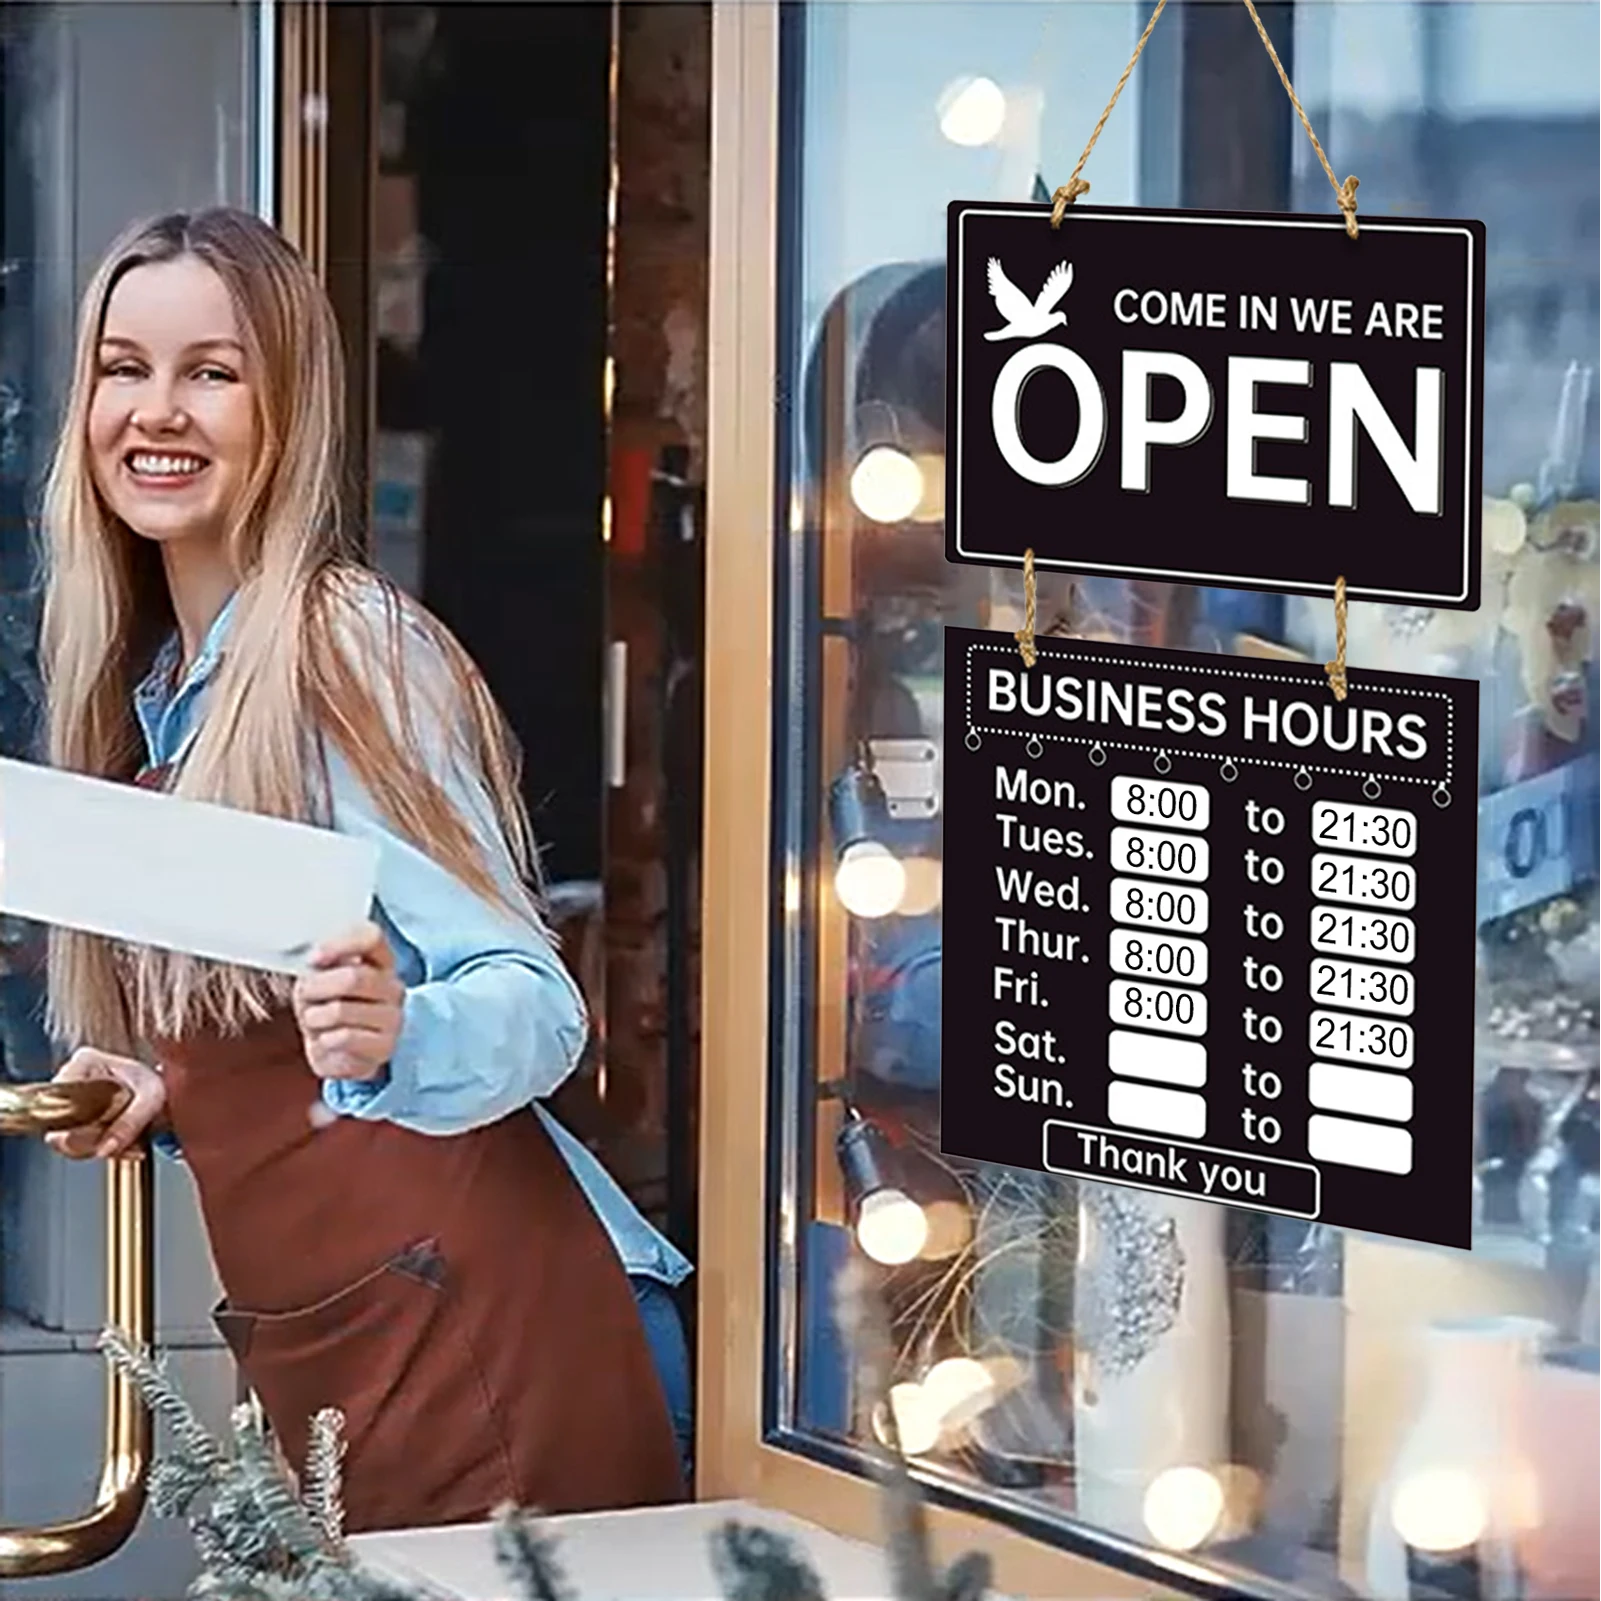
(1069, 192)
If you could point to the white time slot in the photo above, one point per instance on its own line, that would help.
(1168, 957)
(1158, 1006)
(1161, 803)
(1376, 1041)
(1360, 1091)
(1352, 1144)
(1378, 936)
(1361, 881)
(1157, 1057)
(1363, 985)
(1158, 855)
(1167, 906)
(1159, 1111)
(1379, 830)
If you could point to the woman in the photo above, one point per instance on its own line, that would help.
(401, 1230)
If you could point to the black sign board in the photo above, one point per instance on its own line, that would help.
(1209, 931)
(1258, 402)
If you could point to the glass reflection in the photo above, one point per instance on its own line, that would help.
(1262, 1394)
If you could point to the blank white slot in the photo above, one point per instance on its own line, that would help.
(1360, 1091)
(1370, 1145)
(1161, 1111)
(1153, 1056)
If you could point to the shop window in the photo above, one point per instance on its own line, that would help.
(1215, 1398)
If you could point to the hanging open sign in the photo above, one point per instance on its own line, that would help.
(1257, 402)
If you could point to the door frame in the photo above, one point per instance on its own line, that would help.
(323, 181)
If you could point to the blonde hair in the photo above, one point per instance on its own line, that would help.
(305, 650)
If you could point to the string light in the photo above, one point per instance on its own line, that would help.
(869, 879)
(972, 111)
(887, 485)
(943, 1403)
(1182, 1507)
(959, 1389)
(891, 1227)
(1440, 1509)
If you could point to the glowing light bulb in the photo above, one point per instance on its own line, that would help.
(870, 879)
(891, 1227)
(1182, 1507)
(972, 111)
(1440, 1509)
(887, 485)
(958, 1390)
(916, 1422)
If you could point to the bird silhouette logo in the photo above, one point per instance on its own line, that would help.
(1025, 318)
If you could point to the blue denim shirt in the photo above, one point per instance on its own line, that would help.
(492, 1020)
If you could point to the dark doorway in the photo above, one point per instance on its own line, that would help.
(490, 453)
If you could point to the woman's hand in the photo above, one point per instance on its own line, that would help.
(145, 1106)
(350, 1006)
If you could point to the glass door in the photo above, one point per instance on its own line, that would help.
(1207, 1399)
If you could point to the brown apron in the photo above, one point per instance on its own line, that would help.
(455, 1297)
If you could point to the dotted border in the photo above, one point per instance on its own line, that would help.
(1062, 651)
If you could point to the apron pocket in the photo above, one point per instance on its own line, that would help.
(422, 1443)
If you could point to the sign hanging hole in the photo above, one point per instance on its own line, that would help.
(1303, 779)
(1370, 787)
(1034, 747)
(1442, 796)
(1164, 762)
(1228, 772)
(1098, 754)
(973, 740)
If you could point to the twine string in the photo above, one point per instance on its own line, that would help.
(1025, 635)
(1344, 193)
(1075, 185)
(1336, 668)
(1069, 192)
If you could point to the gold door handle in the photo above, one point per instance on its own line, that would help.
(39, 1109)
(54, 1108)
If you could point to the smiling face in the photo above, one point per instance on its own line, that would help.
(172, 423)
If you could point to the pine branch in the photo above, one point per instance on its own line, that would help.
(860, 1314)
(162, 1396)
(231, 1587)
(256, 1538)
(211, 1546)
(755, 1564)
(969, 1577)
(528, 1557)
(248, 1541)
(863, 1320)
(267, 1479)
(176, 1483)
(324, 1472)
